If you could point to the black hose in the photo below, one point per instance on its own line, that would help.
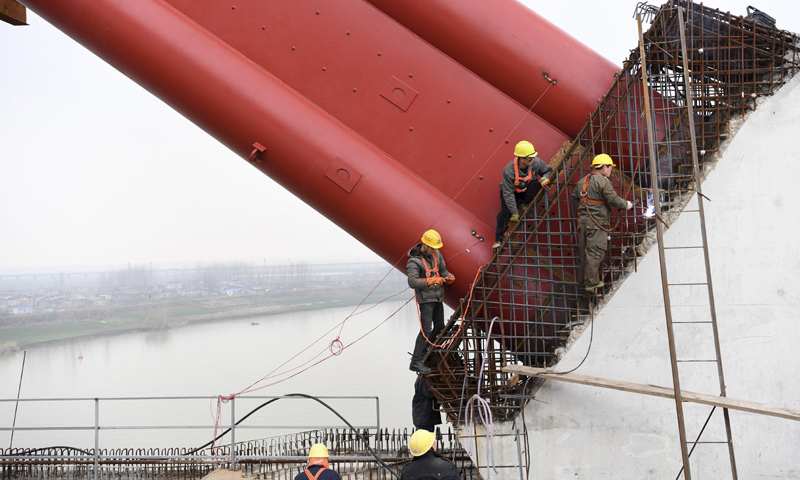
(191, 452)
(371, 451)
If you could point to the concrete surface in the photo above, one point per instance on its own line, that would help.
(577, 431)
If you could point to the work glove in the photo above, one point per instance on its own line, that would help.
(435, 281)
(629, 205)
(544, 182)
(514, 218)
(450, 279)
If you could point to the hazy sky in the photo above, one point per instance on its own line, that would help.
(95, 171)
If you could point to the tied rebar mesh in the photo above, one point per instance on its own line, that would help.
(531, 285)
(275, 458)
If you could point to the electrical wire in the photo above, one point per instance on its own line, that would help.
(588, 349)
(484, 410)
(217, 437)
(302, 395)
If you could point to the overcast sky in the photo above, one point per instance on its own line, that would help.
(97, 172)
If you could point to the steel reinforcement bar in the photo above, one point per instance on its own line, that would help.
(524, 305)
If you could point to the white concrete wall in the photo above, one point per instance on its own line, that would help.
(752, 219)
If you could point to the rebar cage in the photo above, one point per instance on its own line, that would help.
(525, 304)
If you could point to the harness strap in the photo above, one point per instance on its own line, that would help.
(314, 477)
(517, 178)
(584, 198)
(428, 271)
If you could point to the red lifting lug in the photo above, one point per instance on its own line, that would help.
(257, 153)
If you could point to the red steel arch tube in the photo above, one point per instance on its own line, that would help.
(239, 103)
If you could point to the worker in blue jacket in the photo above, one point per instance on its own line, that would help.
(318, 467)
(427, 463)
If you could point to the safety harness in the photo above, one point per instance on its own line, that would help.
(584, 198)
(315, 477)
(518, 179)
(428, 271)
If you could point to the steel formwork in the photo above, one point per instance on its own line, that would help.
(524, 304)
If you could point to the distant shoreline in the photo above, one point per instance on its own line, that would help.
(141, 319)
(198, 319)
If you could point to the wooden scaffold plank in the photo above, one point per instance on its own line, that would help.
(657, 391)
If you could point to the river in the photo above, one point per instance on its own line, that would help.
(211, 359)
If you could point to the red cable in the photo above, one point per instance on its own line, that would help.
(419, 317)
(335, 347)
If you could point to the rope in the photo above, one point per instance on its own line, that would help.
(585, 204)
(334, 348)
(448, 342)
(479, 169)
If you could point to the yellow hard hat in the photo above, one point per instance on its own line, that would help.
(318, 451)
(602, 159)
(524, 149)
(432, 239)
(420, 442)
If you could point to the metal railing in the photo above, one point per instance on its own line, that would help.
(356, 444)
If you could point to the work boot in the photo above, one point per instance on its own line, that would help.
(593, 288)
(419, 367)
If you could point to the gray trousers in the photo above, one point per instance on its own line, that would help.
(592, 245)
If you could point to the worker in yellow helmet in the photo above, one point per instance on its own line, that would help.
(427, 463)
(595, 196)
(523, 177)
(427, 274)
(318, 467)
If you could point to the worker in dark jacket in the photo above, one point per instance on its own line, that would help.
(424, 407)
(595, 196)
(318, 467)
(427, 274)
(427, 464)
(519, 186)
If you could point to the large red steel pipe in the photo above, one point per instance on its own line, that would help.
(240, 104)
(512, 47)
(369, 180)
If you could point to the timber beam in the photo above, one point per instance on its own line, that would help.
(656, 391)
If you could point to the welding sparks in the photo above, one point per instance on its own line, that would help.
(650, 211)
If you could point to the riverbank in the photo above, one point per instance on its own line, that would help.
(164, 314)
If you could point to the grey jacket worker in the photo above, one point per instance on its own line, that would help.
(429, 297)
(509, 197)
(507, 184)
(592, 240)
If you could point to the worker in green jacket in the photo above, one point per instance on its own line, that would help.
(595, 196)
